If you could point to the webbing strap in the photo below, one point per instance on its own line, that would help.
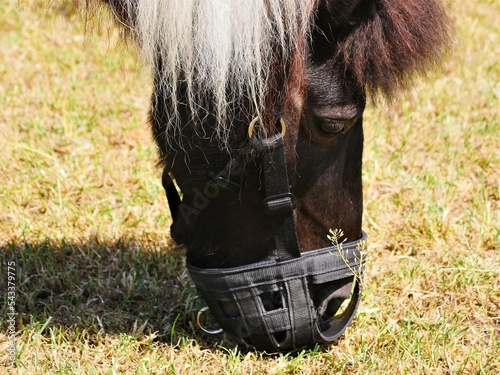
(254, 326)
(279, 202)
(301, 313)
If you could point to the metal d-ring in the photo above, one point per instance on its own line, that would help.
(257, 119)
(206, 330)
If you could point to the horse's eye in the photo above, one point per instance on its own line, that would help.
(330, 126)
(333, 126)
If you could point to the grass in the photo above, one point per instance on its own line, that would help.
(99, 289)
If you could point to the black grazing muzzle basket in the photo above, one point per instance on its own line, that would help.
(285, 305)
(293, 301)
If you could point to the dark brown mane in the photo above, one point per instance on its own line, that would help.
(394, 40)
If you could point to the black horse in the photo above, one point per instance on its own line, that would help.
(257, 113)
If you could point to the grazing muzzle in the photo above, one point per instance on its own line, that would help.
(290, 302)
(279, 305)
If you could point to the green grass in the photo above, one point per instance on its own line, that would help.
(101, 290)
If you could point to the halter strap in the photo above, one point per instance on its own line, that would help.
(279, 202)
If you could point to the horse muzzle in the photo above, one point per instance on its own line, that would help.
(286, 305)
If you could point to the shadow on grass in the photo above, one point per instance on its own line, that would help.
(120, 287)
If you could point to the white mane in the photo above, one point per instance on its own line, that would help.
(216, 45)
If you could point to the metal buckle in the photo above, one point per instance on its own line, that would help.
(279, 204)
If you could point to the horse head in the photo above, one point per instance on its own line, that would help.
(239, 86)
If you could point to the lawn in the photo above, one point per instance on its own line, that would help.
(84, 224)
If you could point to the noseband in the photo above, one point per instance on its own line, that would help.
(286, 303)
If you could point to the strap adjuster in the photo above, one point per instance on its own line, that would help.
(279, 204)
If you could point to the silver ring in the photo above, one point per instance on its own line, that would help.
(206, 330)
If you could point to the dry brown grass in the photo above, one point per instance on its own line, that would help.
(98, 291)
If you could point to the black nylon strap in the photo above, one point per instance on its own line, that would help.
(301, 313)
(279, 202)
(255, 325)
